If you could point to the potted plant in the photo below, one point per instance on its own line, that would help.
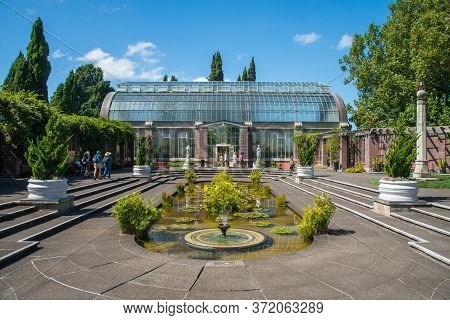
(306, 149)
(48, 158)
(441, 164)
(398, 186)
(141, 169)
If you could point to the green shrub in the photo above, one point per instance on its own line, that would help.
(317, 217)
(142, 150)
(166, 200)
(282, 230)
(185, 220)
(135, 215)
(358, 168)
(48, 156)
(255, 178)
(377, 164)
(441, 164)
(306, 146)
(401, 154)
(281, 201)
(332, 147)
(175, 164)
(190, 176)
(180, 188)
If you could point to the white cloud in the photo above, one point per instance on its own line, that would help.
(345, 42)
(31, 12)
(240, 56)
(58, 54)
(306, 38)
(142, 48)
(200, 79)
(133, 66)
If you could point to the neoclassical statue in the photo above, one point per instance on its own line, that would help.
(188, 153)
(258, 153)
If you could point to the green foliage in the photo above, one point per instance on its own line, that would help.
(317, 218)
(281, 201)
(401, 154)
(48, 156)
(442, 164)
(83, 92)
(306, 148)
(143, 146)
(19, 76)
(190, 176)
(173, 78)
(216, 68)
(377, 164)
(224, 196)
(333, 147)
(239, 78)
(358, 168)
(252, 215)
(165, 78)
(255, 179)
(245, 74)
(24, 117)
(135, 215)
(264, 224)
(185, 220)
(442, 183)
(179, 227)
(251, 75)
(387, 63)
(37, 57)
(180, 188)
(282, 230)
(166, 200)
(175, 164)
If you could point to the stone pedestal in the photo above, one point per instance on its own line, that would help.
(60, 205)
(421, 164)
(385, 207)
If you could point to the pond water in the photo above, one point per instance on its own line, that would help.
(167, 235)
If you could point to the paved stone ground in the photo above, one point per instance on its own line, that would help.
(355, 260)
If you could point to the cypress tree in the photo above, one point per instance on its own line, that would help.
(244, 74)
(165, 77)
(19, 76)
(212, 74)
(219, 71)
(252, 71)
(173, 78)
(37, 57)
(239, 78)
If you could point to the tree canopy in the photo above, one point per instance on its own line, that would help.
(173, 78)
(387, 63)
(19, 77)
(252, 71)
(216, 68)
(83, 91)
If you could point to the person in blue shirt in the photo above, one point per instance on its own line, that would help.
(107, 161)
(97, 159)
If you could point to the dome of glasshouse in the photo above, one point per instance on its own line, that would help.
(218, 118)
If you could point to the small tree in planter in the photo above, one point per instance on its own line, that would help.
(398, 186)
(47, 158)
(306, 150)
(333, 146)
(141, 169)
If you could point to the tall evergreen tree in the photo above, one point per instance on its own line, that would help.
(252, 71)
(239, 78)
(216, 68)
(19, 77)
(244, 74)
(37, 58)
(173, 78)
(165, 77)
(83, 91)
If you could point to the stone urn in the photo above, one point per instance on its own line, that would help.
(305, 172)
(398, 190)
(141, 171)
(47, 189)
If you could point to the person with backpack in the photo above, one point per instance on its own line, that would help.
(97, 160)
(85, 162)
(107, 160)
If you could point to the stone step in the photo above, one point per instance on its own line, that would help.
(424, 221)
(100, 188)
(15, 211)
(24, 222)
(354, 190)
(373, 190)
(90, 183)
(10, 251)
(438, 213)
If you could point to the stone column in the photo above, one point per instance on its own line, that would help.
(244, 144)
(343, 153)
(421, 164)
(371, 150)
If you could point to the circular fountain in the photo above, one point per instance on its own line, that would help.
(234, 239)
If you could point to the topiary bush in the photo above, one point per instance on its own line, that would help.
(135, 215)
(142, 150)
(401, 154)
(48, 156)
(306, 148)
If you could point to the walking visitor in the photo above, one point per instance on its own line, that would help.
(97, 160)
(107, 161)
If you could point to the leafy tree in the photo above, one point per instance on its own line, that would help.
(216, 68)
(165, 78)
(37, 57)
(387, 63)
(244, 74)
(83, 91)
(142, 150)
(239, 78)
(251, 75)
(173, 78)
(19, 77)
(306, 148)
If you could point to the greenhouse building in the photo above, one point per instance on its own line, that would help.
(225, 119)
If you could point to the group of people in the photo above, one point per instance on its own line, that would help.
(102, 165)
(224, 161)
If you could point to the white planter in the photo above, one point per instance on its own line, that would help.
(305, 172)
(47, 189)
(400, 191)
(141, 171)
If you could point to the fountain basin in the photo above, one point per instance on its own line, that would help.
(236, 239)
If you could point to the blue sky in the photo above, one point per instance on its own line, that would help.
(143, 40)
